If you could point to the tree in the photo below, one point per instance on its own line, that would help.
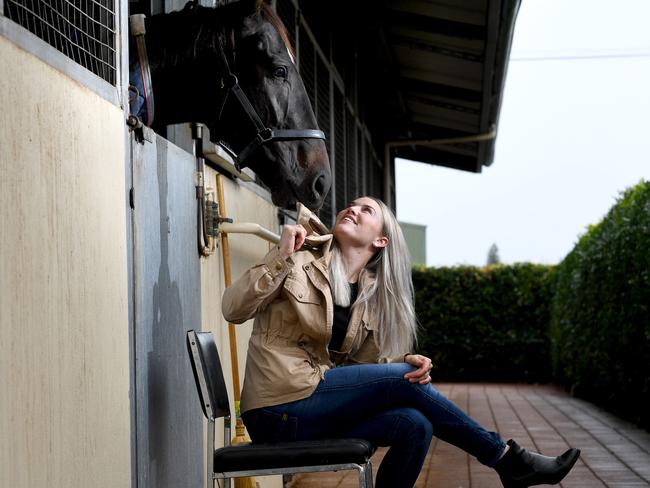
(493, 255)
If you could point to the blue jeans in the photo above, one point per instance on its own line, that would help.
(375, 402)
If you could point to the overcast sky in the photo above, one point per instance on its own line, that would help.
(574, 131)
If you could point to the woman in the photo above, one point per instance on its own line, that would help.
(323, 300)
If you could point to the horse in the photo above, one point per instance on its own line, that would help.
(232, 69)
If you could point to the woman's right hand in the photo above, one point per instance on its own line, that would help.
(292, 239)
(421, 375)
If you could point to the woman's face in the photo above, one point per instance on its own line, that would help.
(360, 224)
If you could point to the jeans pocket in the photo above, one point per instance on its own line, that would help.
(271, 425)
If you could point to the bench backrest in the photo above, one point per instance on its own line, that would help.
(208, 374)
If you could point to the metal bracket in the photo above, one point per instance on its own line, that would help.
(141, 131)
(212, 218)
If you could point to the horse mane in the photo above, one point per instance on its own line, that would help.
(270, 15)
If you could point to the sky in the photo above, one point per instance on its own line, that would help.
(574, 132)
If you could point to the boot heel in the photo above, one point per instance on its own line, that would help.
(520, 468)
(512, 484)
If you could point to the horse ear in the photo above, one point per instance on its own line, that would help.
(236, 13)
(244, 16)
(191, 5)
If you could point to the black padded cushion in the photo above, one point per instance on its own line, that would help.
(252, 456)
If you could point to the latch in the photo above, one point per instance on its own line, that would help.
(212, 218)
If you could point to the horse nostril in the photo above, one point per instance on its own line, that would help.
(319, 184)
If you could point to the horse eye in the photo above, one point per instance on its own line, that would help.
(280, 72)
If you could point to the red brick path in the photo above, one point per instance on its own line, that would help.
(614, 453)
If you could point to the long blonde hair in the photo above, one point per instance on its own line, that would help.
(390, 296)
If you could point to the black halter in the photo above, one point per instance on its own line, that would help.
(264, 134)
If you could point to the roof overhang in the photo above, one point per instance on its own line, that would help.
(428, 70)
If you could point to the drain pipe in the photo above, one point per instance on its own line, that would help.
(207, 242)
(388, 173)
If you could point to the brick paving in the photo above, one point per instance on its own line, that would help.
(543, 418)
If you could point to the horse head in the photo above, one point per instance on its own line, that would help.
(232, 68)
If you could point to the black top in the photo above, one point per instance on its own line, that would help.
(341, 320)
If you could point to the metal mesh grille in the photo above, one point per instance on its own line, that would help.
(83, 30)
(323, 112)
(351, 157)
(339, 149)
(306, 65)
(322, 105)
(326, 213)
(361, 158)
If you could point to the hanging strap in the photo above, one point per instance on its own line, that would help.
(138, 31)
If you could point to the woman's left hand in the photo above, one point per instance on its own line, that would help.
(424, 365)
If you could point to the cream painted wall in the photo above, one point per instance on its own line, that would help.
(242, 205)
(64, 345)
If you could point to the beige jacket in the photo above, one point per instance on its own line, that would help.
(293, 308)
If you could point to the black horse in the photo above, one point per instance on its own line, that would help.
(200, 56)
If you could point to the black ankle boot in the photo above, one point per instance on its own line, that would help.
(520, 468)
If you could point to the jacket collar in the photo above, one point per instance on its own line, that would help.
(318, 235)
(310, 221)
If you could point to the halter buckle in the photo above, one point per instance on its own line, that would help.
(265, 135)
(229, 80)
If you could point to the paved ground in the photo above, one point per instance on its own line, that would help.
(544, 418)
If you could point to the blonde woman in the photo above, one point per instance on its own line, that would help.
(331, 352)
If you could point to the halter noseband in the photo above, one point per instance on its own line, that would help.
(264, 134)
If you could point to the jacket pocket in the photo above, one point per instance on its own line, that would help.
(365, 349)
(366, 332)
(368, 327)
(301, 291)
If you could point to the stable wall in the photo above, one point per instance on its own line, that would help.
(65, 407)
(64, 342)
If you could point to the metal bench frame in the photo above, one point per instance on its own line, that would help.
(215, 404)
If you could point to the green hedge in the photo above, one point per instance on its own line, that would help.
(600, 327)
(485, 324)
(493, 323)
